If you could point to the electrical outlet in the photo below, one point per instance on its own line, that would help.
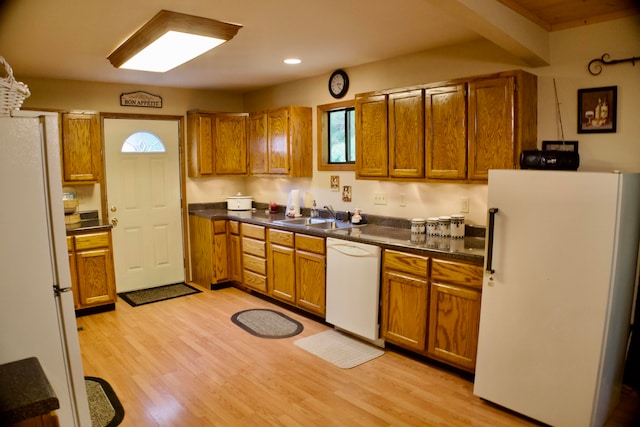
(379, 198)
(464, 204)
(403, 199)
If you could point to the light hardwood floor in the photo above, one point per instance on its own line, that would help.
(182, 362)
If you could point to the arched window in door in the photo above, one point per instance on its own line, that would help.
(142, 142)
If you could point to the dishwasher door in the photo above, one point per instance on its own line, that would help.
(353, 287)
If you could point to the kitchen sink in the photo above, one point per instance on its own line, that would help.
(303, 221)
(315, 223)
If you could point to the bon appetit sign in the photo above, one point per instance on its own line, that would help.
(140, 99)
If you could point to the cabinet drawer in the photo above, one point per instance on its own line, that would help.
(256, 281)
(220, 227)
(255, 231)
(254, 247)
(255, 264)
(310, 243)
(408, 263)
(234, 227)
(92, 241)
(279, 237)
(456, 273)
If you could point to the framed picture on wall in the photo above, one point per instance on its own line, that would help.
(597, 109)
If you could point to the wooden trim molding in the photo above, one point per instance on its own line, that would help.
(323, 154)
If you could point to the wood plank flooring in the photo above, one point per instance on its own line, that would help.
(182, 362)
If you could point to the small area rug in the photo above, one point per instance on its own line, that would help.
(104, 406)
(266, 323)
(160, 293)
(339, 349)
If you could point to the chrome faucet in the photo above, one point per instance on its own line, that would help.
(332, 213)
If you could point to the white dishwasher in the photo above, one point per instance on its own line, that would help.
(353, 288)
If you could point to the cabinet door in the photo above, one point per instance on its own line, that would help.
(74, 280)
(95, 277)
(278, 141)
(230, 148)
(81, 148)
(406, 134)
(282, 273)
(310, 282)
(235, 253)
(220, 253)
(454, 312)
(446, 132)
(404, 319)
(202, 246)
(372, 156)
(200, 145)
(258, 152)
(491, 139)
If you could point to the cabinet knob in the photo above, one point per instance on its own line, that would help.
(114, 221)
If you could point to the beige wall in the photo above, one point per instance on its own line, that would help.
(571, 50)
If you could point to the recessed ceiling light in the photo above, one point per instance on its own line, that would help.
(184, 36)
(292, 61)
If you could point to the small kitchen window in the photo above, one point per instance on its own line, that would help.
(336, 136)
(143, 142)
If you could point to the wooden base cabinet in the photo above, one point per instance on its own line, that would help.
(432, 306)
(92, 271)
(209, 258)
(311, 273)
(235, 252)
(405, 288)
(282, 267)
(454, 312)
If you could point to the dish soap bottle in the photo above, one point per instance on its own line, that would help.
(356, 218)
(314, 210)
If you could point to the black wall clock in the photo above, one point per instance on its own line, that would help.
(338, 84)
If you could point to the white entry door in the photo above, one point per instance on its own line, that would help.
(143, 200)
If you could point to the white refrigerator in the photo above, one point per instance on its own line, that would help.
(35, 319)
(561, 268)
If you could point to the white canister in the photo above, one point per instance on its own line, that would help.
(457, 226)
(432, 226)
(418, 230)
(444, 226)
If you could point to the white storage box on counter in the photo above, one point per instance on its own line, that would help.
(239, 203)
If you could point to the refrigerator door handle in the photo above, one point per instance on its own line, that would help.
(57, 290)
(492, 219)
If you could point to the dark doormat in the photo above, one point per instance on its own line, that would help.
(160, 293)
(266, 323)
(104, 406)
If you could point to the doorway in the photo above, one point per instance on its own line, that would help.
(143, 195)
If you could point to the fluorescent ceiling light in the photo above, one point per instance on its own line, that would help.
(170, 39)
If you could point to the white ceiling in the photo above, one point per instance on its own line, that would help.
(71, 39)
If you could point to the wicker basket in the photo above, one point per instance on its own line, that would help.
(12, 93)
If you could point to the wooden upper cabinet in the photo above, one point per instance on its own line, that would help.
(503, 110)
(217, 143)
(230, 148)
(372, 155)
(446, 132)
(406, 134)
(280, 142)
(81, 148)
(200, 144)
(258, 152)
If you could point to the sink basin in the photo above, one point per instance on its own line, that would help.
(331, 225)
(303, 221)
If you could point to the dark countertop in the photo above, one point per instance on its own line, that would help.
(386, 234)
(88, 225)
(25, 392)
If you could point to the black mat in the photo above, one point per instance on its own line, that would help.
(266, 323)
(104, 406)
(160, 293)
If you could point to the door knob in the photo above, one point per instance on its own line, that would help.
(114, 221)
